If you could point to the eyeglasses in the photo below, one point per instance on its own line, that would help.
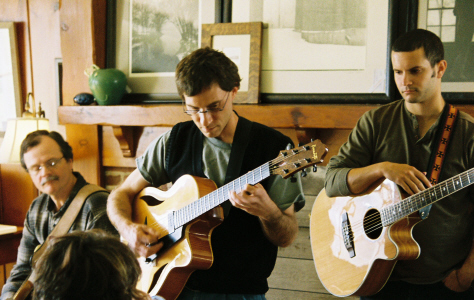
(50, 164)
(214, 108)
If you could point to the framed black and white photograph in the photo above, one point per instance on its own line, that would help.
(152, 36)
(322, 48)
(10, 98)
(453, 22)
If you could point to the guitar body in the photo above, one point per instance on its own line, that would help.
(353, 253)
(185, 250)
(186, 215)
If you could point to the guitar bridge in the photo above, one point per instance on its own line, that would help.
(347, 235)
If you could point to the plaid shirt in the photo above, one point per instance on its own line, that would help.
(40, 221)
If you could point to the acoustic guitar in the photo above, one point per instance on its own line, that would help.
(356, 241)
(186, 214)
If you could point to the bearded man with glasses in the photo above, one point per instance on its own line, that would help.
(47, 157)
(220, 145)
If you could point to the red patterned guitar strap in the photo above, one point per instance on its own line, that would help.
(441, 151)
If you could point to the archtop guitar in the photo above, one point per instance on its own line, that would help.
(187, 213)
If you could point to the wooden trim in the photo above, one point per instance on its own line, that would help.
(276, 116)
(86, 146)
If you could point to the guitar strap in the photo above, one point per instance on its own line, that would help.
(239, 145)
(60, 229)
(438, 154)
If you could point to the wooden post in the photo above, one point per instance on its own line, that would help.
(83, 36)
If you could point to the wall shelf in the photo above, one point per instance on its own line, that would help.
(277, 116)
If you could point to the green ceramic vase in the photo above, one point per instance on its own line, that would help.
(107, 85)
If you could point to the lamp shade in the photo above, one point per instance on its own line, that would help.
(17, 130)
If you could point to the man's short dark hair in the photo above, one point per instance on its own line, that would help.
(34, 138)
(421, 38)
(202, 68)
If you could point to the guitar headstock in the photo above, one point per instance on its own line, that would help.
(291, 161)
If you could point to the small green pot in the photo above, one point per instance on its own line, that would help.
(107, 85)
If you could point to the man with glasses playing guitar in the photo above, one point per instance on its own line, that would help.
(220, 145)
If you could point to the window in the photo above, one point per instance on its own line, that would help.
(441, 19)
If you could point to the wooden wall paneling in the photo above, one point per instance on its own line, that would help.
(46, 47)
(5, 273)
(277, 294)
(295, 276)
(8, 269)
(83, 31)
(3, 278)
(113, 157)
(85, 142)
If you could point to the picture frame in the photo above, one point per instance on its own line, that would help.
(457, 85)
(123, 49)
(10, 93)
(242, 43)
(306, 86)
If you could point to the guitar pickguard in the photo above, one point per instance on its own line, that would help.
(168, 242)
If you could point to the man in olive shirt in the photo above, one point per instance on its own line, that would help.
(394, 141)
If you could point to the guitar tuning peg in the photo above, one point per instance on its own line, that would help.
(315, 169)
(293, 179)
(312, 140)
(303, 173)
(288, 147)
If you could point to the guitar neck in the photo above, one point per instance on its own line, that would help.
(217, 197)
(409, 205)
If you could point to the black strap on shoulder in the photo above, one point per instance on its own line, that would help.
(197, 153)
(239, 146)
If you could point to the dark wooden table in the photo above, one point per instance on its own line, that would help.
(9, 246)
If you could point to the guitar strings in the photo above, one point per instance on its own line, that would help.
(374, 221)
(273, 165)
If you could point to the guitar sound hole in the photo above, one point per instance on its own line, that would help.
(373, 224)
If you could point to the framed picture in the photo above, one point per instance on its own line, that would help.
(323, 51)
(242, 43)
(453, 22)
(150, 37)
(10, 101)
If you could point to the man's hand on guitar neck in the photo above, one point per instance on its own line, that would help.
(280, 227)
(254, 200)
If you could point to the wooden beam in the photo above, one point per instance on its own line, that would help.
(83, 24)
(85, 143)
(128, 137)
(276, 116)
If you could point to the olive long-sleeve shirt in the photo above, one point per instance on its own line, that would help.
(390, 133)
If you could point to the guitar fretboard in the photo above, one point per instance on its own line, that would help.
(397, 211)
(217, 197)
